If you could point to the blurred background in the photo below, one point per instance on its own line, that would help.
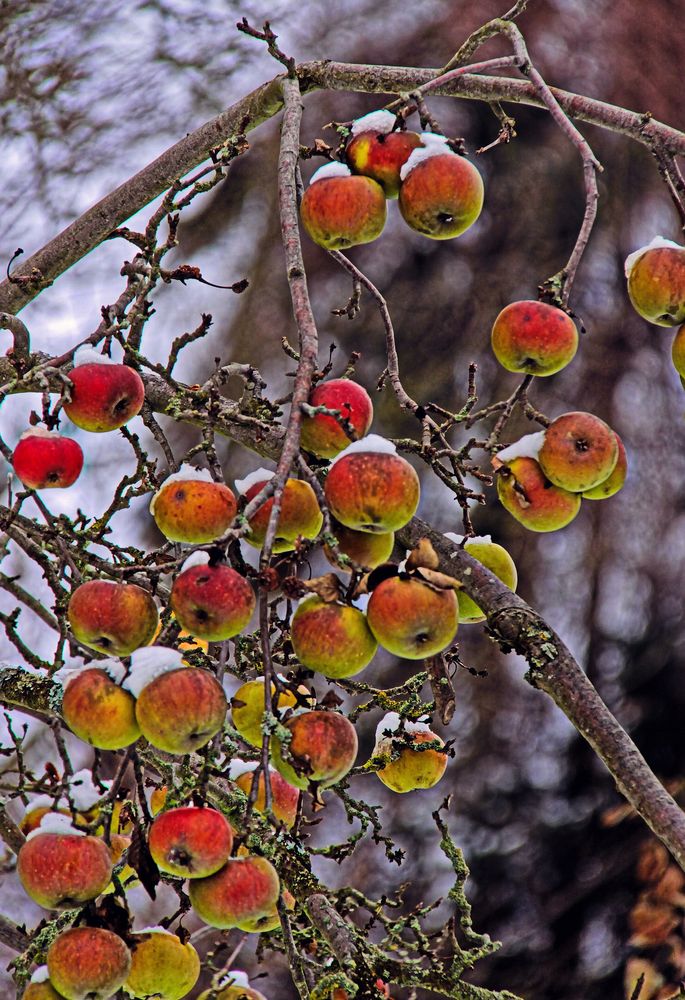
(568, 881)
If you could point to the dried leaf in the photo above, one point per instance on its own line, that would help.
(651, 923)
(140, 859)
(440, 581)
(328, 587)
(653, 862)
(423, 554)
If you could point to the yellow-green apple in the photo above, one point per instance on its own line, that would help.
(104, 395)
(233, 986)
(190, 841)
(59, 866)
(244, 890)
(300, 512)
(331, 637)
(526, 493)
(379, 151)
(179, 709)
(579, 451)
(369, 487)
(40, 987)
(284, 797)
(113, 618)
(534, 337)
(614, 482)
(46, 460)
(441, 193)
(414, 767)
(365, 548)
(96, 707)
(341, 210)
(190, 507)
(270, 921)
(324, 435)
(677, 352)
(161, 966)
(656, 281)
(247, 707)
(88, 963)
(495, 558)
(211, 601)
(322, 749)
(411, 618)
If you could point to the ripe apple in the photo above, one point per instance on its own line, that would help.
(233, 986)
(371, 488)
(104, 395)
(656, 282)
(534, 337)
(365, 548)
(284, 797)
(181, 710)
(332, 638)
(376, 151)
(98, 710)
(88, 963)
(244, 890)
(614, 482)
(46, 460)
(441, 193)
(495, 558)
(579, 451)
(247, 707)
(190, 841)
(213, 602)
(161, 966)
(190, 507)
(300, 513)
(340, 210)
(113, 618)
(414, 768)
(40, 987)
(678, 352)
(411, 618)
(270, 921)
(536, 503)
(323, 748)
(63, 869)
(322, 434)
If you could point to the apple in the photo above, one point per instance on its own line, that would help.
(614, 482)
(300, 514)
(247, 707)
(331, 637)
(322, 434)
(340, 210)
(212, 602)
(495, 558)
(534, 338)
(371, 488)
(161, 966)
(529, 496)
(579, 451)
(270, 921)
(364, 548)
(377, 150)
(284, 797)
(88, 963)
(322, 749)
(104, 395)
(233, 986)
(61, 867)
(441, 193)
(411, 618)
(113, 618)
(414, 768)
(656, 282)
(190, 507)
(46, 460)
(244, 890)
(190, 841)
(40, 987)
(97, 709)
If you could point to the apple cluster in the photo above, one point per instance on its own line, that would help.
(440, 193)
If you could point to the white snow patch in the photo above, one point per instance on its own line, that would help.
(526, 447)
(84, 793)
(235, 978)
(44, 802)
(87, 355)
(370, 443)
(56, 823)
(258, 476)
(376, 121)
(392, 723)
(187, 473)
(334, 169)
(154, 930)
(433, 145)
(41, 975)
(148, 663)
(458, 539)
(40, 432)
(238, 767)
(115, 670)
(656, 244)
(199, 558)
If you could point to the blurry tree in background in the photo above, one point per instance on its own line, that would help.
(582, 897)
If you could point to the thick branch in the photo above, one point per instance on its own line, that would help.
(554, 670)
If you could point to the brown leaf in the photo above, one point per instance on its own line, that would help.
(653, 862)
(669, 887)
(328, 587)
(651, 923)
(423, 554)
(440, 581)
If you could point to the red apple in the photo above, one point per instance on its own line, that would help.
(534, 337)
(180, 710)
(88, 963)
(322, 749)
(113, 618)
(63, 869)
(371, 488)
(284, 797)
(191, 841)
(322, 434)
(190, 507)
(441, 193)
(244, 890)
(300, 513)
(98, 710)
(332, 638)
(412, 619)
(212, 602)
(579, 451)
(104, 395)
(656, 282)
(376, 151)
(45, 460)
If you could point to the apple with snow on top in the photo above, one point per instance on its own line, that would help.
(300, 514)
(378, 150)
(412, 767)
(340, 209)
(211, 601)
(104, 395)
(656, 281)
(191, 507)
(45, 460)
(441, 193)
(96, 707)
(322, 434)
(524, 490)
(495, 558)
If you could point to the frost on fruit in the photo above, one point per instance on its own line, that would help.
(199, 558)
(41, 975)
(393, 723)
(433, 145)
(89, 356)
(84, 793)
(526, 447)
(334, 169)
(56, 823)
(458, 539)
(236, 977)
(114, 669)
(149, 663)
(656, 244)
(187, 473)
(238, 767)
(376, 121)
(258, 476)
(372, 442)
